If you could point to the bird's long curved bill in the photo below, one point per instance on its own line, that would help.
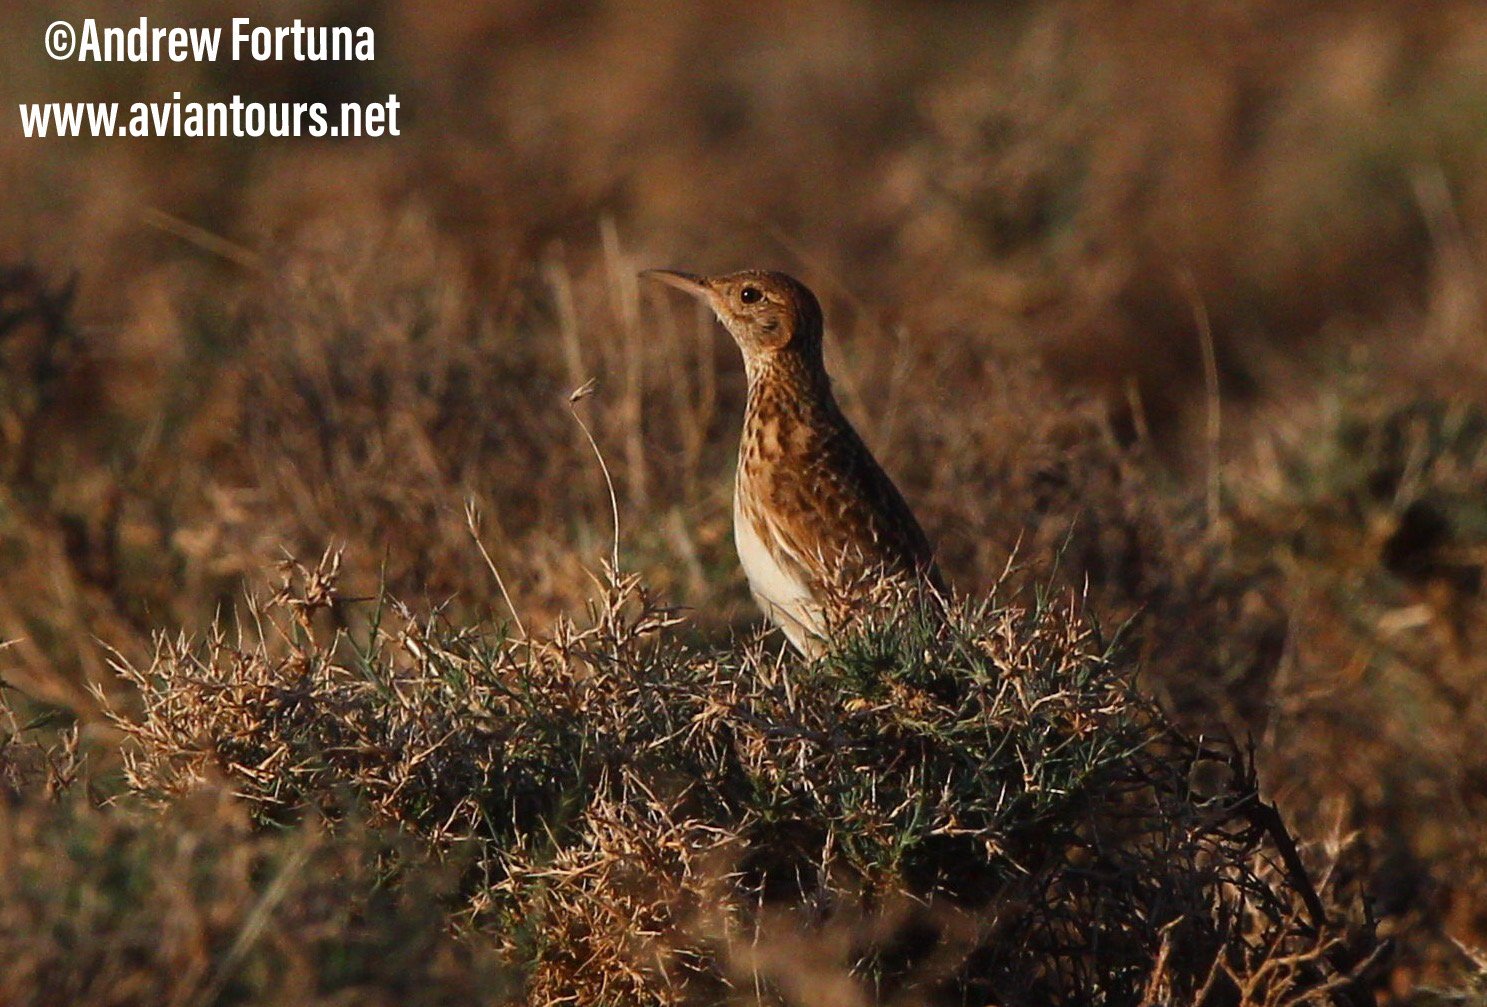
(692, 284)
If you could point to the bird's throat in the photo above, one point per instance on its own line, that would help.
(787, 373)
(790, 409)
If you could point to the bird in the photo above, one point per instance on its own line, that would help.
(817, 522)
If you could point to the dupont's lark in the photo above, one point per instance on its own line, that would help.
(817, 522)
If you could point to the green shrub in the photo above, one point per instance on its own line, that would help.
(642, 817)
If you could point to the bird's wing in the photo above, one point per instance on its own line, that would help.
(862, 517)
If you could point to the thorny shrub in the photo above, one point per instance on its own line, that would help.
(108, 903)
(639, 818)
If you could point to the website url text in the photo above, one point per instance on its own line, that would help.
(236, 118)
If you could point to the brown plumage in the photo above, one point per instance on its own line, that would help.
(817, 522)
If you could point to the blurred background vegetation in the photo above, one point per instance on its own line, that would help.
(1179, 306)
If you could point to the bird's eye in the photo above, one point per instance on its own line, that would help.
(751, 295)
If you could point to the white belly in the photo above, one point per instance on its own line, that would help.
(785, 598)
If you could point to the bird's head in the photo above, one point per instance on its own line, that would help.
(767, 313)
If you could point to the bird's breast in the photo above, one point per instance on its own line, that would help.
(775, 579)
(771, 576)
